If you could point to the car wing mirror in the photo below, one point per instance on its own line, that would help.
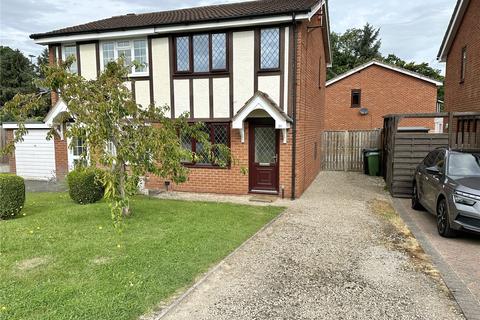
(433, 170)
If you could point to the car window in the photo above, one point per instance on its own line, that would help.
(429, 160)
(464, 164)
(440, 161)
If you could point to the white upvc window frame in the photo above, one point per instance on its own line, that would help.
(132, 50)
(64, 56)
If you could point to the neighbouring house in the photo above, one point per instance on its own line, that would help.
(254, 72)
(359, 98)
(460, 49)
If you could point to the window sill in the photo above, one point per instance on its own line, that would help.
(204, 166)
(138, 74)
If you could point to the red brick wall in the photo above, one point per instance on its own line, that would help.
(383, 92)
(52, 59)
(310, 103)
(61, 157)
(465, 96)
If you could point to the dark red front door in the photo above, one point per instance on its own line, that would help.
(263, 157)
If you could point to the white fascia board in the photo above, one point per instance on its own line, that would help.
(397, 69)
(97, 36)
(27, 125)
(452, 30)
(172, 29)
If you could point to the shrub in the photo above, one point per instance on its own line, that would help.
(12, 195)
(84, 185)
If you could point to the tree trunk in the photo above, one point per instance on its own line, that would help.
(121, 188)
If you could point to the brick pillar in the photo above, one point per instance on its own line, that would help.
(61, 157)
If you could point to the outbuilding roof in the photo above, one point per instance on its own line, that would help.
(384, 65)
(214, 13)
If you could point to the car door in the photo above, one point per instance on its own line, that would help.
(423, 179)
(433, 181)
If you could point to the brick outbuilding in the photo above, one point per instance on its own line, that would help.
(359, 98)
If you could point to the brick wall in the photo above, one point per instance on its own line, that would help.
(383, 92)
(61, 157)
(465, 96)
(52, 59)
(311, 73)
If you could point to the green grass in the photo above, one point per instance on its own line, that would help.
(61, 260)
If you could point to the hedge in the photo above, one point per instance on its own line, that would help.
(84, 186)
(12, 195)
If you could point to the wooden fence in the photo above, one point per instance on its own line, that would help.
(342, 150)
(409, 149)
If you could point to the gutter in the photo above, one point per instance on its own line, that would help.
(294, 104)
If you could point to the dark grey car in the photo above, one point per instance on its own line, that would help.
(447, 184)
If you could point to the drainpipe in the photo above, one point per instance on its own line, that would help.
(294, 104)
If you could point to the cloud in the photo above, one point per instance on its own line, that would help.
(411, 29)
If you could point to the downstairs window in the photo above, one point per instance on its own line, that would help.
(219, 133)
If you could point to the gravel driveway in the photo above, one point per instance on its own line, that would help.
(325, 258)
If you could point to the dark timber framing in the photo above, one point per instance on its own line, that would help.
(150, 69)
(79, 65)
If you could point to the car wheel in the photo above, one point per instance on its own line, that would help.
(416, 199)
(443, 222)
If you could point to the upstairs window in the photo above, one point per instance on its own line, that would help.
(201, 53)
(130, 50)
(463, 64)
(356, 98)
(269, 48)
(71, 51)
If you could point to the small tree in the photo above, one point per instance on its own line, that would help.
(145, 140)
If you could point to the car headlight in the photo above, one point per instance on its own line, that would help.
(465, 198)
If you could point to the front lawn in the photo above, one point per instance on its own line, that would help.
(60, 260)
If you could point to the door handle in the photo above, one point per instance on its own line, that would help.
(275, 157)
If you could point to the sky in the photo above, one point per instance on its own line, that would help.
(411, 29)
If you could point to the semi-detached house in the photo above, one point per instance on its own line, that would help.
(253, 72)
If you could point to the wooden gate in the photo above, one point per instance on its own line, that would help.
(342, 150)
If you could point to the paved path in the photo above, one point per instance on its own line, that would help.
(45, 186)
(325, 258)
(458, 259)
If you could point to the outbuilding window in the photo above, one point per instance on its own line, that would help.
(356, 98)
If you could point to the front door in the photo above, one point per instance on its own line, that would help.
(263, 157)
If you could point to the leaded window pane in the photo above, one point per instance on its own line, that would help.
(140, 54)
(219, 51)
(220, 136)
(264, 144)
(71, 51)
(270, 48)
(108, 53)
(183, 54)
(201, 53)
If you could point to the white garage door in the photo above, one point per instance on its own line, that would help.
(35, 156)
